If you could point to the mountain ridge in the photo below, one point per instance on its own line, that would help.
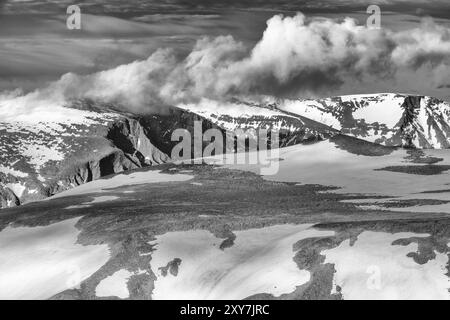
(87, 140)
(389, 119)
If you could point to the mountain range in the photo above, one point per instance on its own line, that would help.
(49, 151)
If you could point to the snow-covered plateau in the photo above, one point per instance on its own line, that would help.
(94, 207)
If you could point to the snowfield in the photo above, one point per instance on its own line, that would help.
(373, 268)
(325, 164)
(235, 115)
(99, 199)
(213, 108)
(259, 261)
(115, 285)
(39, 262)
(381, 108)
(39, 134)
(121, 180)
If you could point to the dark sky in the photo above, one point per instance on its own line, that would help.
(36, 47)
(438, 8)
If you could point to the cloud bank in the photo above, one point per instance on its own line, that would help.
(295, 57)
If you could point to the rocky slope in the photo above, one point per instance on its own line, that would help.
(231, 116)
(44, 154)
(387, 119)
(41, 157)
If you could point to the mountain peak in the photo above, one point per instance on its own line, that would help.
(388, 119)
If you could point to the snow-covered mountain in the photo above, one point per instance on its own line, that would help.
(387, 119)
(49, 150)
(157, 233)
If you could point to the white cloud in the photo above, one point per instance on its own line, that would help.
(294, 57)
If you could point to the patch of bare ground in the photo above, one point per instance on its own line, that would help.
(407, 203)
(419, 156)
(361, 147)
(426, 170)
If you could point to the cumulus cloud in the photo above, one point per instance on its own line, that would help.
(295, 57)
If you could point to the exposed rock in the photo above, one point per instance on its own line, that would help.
(392, 120)
(8, 198)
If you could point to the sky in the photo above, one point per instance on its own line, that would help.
(176, 51)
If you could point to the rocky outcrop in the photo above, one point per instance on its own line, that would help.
(424, 123)
(128, 142)
(130, 136)
(112, 163)
(7, 198)
(123, 144)
(159, 128)
(392, 120)
(408, 132)
(131, 149)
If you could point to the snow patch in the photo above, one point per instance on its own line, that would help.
(120, 180)
(96, 200)
(17, 188)
(39, 155)
(373, 268)
(325, 164)
(13, 172)
(39, 262)
(208, 107)
(115, 285)
(259, 261)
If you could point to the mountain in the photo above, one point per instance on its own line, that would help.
(49, 150)
(386, 119)
(194, 231)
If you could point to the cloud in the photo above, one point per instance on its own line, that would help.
(428, 44)
(37, 48)
(295, 57)
(120, 8)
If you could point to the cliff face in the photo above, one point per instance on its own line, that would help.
(112, 163)
(130, 148)
(8, 198)
(131, 137)
(387, 119)
(425, 123)
(103, 141)
(290, 129)
(43, 159)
